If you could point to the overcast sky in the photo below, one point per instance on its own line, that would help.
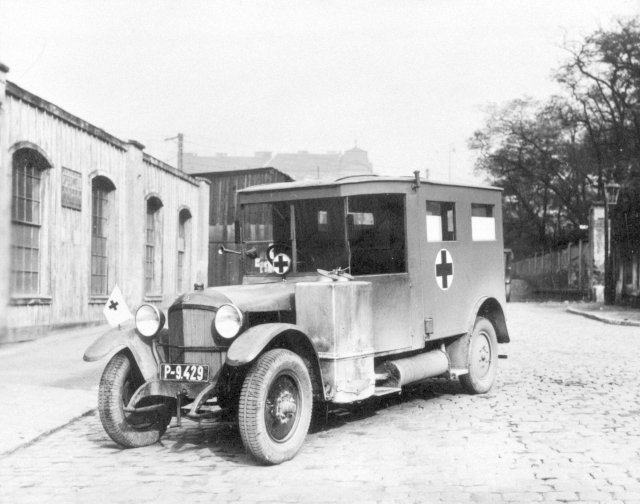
(406, 80)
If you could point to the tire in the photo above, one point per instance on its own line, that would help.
(119, 381)
(482, 358)
(275, 407)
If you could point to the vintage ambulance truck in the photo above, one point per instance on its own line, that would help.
(352, 289)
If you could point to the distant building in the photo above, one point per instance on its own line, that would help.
(82, 211)
(301, 165)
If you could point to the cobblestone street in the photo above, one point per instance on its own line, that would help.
(561, 425)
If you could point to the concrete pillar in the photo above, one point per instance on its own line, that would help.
(596, 244)
(201, 229)
(132, 226)
(5, 205)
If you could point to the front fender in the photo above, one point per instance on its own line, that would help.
(251, 342)
(117, 339)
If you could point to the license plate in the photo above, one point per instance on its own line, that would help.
(184, 372)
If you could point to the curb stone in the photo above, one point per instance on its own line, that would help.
(45, 434)
(602, 318)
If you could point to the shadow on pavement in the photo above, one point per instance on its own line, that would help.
(223, 440)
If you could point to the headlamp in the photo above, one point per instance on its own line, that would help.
(228, 321)
(149, 320)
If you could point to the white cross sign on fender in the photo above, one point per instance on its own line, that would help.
(115, 310)
(444, 269)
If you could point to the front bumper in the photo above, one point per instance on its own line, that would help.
(194, 395)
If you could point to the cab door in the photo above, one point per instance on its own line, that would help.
(378, 254)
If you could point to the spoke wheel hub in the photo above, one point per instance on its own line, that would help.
(281, 408)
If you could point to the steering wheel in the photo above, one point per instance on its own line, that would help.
(275, 248)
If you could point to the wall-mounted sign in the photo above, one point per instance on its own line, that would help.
(71, 189)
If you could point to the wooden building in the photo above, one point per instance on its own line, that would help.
(225, 269)
(85, 211)
(301, 165)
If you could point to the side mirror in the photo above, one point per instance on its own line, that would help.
(222, 250)
(251, 253)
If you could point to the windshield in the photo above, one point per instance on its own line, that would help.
(316, 240)
(365, 233)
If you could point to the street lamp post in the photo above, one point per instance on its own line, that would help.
(611, 192)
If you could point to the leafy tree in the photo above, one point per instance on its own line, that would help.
(553, 158)
(530, 150)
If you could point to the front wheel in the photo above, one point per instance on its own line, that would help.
(483, 358)
(275, 407)
(119, 382)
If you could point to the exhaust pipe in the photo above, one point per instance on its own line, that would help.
(417, 368)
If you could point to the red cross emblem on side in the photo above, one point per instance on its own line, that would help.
(444, 269)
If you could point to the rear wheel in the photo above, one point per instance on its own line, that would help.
(275, 407)
(119, 382)
(483, 358)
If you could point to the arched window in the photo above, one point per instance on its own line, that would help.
(101, 195)
(184, 239)
(26, 221)
(153, 247)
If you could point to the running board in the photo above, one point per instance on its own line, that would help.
(385, 391)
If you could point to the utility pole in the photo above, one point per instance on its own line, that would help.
(180, 138)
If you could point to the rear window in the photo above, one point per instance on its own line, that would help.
(483, 223)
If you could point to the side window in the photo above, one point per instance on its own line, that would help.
(441, 221)
(319, 232)
(26, 222)
(101, 189)
(153, 248)
(323, 221)
(184, 242)
(483, 223)
(376, 228)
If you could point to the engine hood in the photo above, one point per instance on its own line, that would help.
(265, 297)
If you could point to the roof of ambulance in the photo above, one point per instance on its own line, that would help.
(355, 179)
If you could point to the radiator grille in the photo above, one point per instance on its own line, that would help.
(191, 339)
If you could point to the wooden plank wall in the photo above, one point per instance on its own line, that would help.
(66, 233)
(226, 269)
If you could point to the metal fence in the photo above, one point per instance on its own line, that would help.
(566, 270)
